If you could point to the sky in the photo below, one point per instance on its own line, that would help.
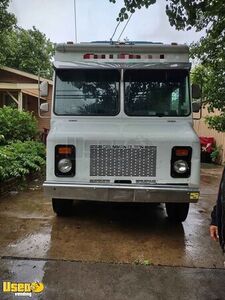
(96, 20)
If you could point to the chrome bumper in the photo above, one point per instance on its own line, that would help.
(122, 193)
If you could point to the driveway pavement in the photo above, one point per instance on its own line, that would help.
(111, 251)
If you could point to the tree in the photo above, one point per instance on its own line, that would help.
(211, 79)
(7, 23)
(7, 20)
(30, 51)
(27, 50)
(208, 15)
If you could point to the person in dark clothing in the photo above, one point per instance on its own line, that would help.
(217, 226)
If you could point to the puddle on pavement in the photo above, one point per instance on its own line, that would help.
(104, 232)
(32, 245)
(210, 178)
(24, 270)
(25, 225)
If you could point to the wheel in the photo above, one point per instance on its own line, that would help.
(177, 212)
(62, 207)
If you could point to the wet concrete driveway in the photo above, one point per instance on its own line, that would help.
(37, 245)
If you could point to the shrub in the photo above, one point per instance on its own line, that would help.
(216, 122)
(16, 125)
(21, 158)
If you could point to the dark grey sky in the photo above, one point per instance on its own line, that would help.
(96, 20)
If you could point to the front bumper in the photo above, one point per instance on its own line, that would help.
(122, 193)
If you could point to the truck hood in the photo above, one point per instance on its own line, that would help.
(120, 131)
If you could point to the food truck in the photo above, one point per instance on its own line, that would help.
(122, 126)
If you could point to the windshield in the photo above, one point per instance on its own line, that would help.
(156, 93)
(87, 92)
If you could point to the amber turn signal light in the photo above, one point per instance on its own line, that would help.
(65, 150)
(181, 152)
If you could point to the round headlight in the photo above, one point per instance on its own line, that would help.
(180, 166)
(65, 165)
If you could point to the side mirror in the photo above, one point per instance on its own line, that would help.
(44, 89)
(44, 107)
(196, 91)
(196, 106)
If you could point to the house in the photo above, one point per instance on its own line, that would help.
(22, 90)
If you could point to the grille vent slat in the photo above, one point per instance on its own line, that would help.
(119, 160)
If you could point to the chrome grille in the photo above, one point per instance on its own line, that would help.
(119, 160)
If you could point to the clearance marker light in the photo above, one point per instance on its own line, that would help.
(88, 56)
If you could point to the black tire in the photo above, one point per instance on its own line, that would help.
(62, 207)
(177, 212)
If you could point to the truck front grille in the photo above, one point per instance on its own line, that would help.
(119, 160)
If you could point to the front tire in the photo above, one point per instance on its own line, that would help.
(177, 212)
(62, 207)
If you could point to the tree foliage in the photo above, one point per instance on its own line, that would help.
(212, 82)
(20, 153)
(7, 20)
(7, 23)
(184, 14)
(211, 79)
(30, 51)
(27, 50)
(130, 6)
(16, 125)
(21, 158)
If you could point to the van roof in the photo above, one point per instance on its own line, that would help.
(134, 47)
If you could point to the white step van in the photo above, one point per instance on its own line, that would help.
(122, 128)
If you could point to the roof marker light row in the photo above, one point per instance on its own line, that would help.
(122, 56)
